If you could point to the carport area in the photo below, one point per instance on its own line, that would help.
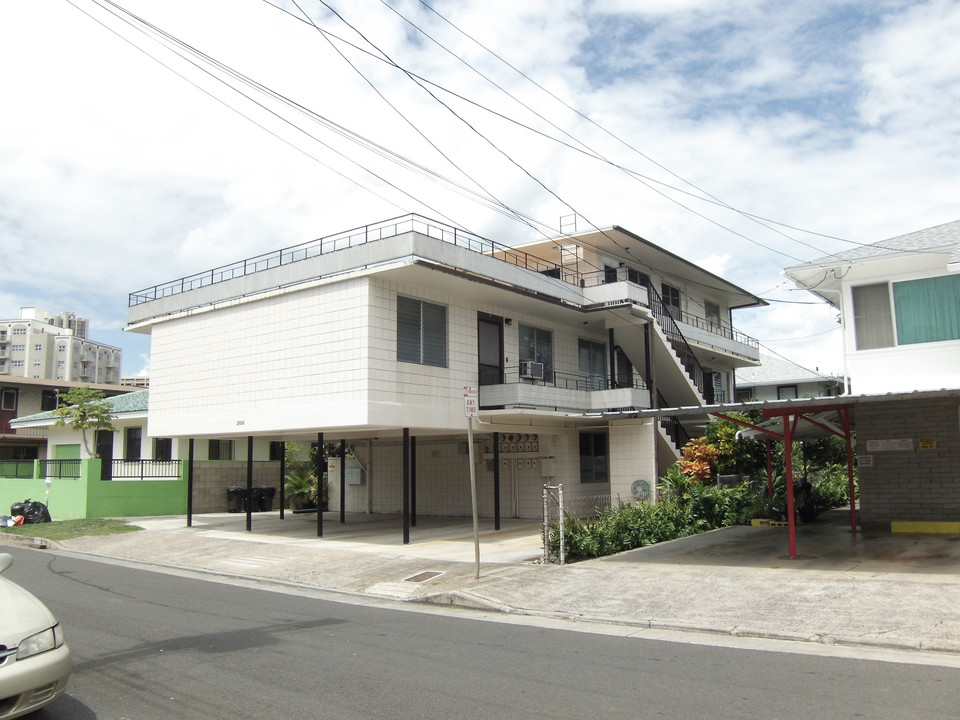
(826, 544)
(438, 538)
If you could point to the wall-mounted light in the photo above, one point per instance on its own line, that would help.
(509, 321)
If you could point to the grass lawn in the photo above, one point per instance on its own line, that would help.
(66, 529)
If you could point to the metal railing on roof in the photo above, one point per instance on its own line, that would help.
(342, 241)
(392, 228)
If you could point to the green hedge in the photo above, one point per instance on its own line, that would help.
(688, 507)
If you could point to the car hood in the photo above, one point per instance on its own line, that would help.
(22, 616)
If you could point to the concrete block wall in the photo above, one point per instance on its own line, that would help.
(919, 483)
(212, 478)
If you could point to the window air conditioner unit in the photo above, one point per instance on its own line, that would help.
(531, 370)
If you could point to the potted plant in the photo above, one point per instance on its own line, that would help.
(300, 487)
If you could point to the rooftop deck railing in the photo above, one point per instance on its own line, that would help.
(381, 231)
(342, 241)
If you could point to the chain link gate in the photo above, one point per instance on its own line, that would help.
(553, 509)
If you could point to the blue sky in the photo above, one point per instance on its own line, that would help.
(116, 173)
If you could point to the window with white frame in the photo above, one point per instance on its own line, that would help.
(908, 312)
(421, 332)
(20, 331)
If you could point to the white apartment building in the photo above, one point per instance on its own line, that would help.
(39, 346)
(374, 336)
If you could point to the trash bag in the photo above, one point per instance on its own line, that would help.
(35, 512)
(17, 508)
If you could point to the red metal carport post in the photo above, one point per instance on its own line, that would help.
(788, 432)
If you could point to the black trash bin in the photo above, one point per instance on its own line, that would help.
(235, 498)
(265, 498)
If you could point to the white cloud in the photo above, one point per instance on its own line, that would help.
(116, 174)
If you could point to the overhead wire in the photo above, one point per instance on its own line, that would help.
(261, 88)
(589, 152)
(393, 107)
(705, 195)
(116, 13)
(172, 43)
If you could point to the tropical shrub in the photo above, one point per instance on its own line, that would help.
(687, 507)
(699, 459)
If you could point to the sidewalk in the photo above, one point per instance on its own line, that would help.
(893, 591)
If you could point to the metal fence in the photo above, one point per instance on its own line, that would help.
(557, 506)
(17, 468)
(145, 470)
(60, 468)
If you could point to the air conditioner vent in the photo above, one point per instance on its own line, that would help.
(531, 370)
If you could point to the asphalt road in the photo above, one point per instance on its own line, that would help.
(149, 646)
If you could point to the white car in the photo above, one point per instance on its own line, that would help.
(34, 660)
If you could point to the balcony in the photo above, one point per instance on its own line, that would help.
(561, 392)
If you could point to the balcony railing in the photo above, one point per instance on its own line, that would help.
(718, 329)
(571, 381)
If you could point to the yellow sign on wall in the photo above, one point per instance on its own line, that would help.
(928, 443)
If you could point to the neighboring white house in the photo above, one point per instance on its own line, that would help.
(372, 335)
(44, 347)
(777, 378)
(900, 307)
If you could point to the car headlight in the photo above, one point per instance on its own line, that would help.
(41, 642)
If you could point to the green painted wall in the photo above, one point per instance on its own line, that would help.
(68, 496)
(91, 497)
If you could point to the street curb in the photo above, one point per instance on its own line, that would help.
(466, 600)
(36, 543)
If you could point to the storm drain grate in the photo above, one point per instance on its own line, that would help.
(423, 577)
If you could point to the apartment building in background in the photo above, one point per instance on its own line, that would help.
(43, 347)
